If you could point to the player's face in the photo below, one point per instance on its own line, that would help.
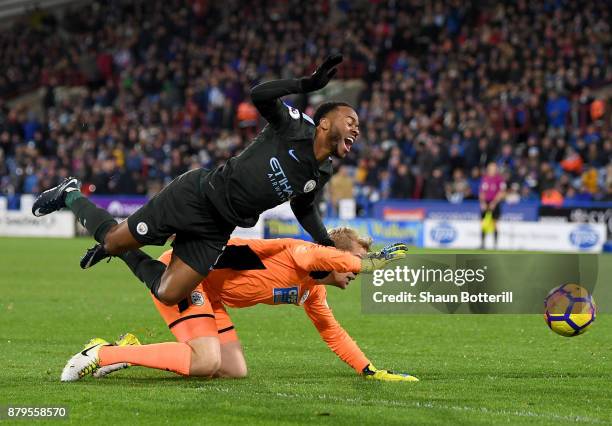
(343, 131)
(343, 279)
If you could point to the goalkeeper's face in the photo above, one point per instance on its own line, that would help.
(343, 279)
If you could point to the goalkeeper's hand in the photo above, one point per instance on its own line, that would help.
(322, 75)
(372, 373)
(379, 259)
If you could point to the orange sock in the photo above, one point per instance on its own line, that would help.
(167, 356)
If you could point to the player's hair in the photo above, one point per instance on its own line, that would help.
(344, 236)
(327, 107)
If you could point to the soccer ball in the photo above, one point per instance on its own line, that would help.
(569, 310)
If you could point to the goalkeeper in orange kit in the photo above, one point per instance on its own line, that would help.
(272, 272)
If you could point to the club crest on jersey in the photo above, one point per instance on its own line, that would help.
(279, 180)
(310, 185)
(285, 295)
(197, 298)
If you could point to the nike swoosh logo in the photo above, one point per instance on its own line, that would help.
(292, 154)
(84, 352)
(37, 212)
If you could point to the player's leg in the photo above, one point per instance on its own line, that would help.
(98, 222)
(201, 235)
(483, 234)
(496, 214)
(169, 284)
(192, 259)
(494, 234)
(197, 352)
(192, 321)
(206, 356)
(233, 364)
(199, 357)
(176, 282)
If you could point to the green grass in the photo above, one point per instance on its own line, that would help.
(473, 369)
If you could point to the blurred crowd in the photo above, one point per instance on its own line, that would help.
(159, 87)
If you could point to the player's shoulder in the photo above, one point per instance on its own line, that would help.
(295, 244)
(279, 243)
(298, 123)
(298, 115)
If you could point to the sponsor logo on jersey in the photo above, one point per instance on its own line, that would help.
(285, 295)
(279, 180)
(292, 154)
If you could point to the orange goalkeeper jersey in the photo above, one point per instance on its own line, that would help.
(286, 280)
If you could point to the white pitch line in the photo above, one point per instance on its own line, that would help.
(418, 404)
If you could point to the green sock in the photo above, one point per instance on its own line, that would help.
(71, 197)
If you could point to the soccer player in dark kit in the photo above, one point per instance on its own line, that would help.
(288, 160)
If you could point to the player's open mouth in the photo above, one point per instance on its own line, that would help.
(348, 143)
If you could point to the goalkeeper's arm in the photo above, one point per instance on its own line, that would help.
(311, 257)
(339, 341)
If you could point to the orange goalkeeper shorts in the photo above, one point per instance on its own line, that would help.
(196, 316)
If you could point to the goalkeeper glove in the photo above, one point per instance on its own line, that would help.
(371, 373)
(379, 259)
(322, 75)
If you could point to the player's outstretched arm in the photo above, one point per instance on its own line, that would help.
(339, 341)
(311, 257)
(332, 333)
(276, 89)
(266, 96)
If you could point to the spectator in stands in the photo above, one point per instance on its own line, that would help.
(553, 196)
(459, 188)
(402, 185)
(434, 185)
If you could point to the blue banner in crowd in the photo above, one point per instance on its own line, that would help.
(443, 210)
(381, 231)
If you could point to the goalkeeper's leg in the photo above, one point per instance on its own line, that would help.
(207, 341)
(200, 357)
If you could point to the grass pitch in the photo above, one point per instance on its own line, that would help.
(486, 369)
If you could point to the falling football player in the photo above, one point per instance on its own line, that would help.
(290, 160)
(250, 272)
